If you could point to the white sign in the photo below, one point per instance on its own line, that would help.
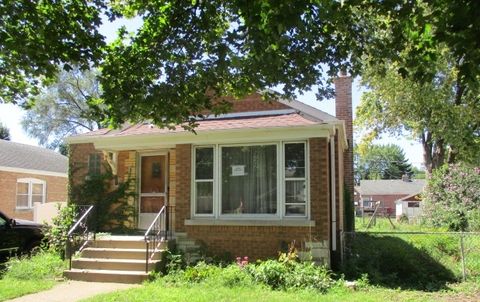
(238, 170)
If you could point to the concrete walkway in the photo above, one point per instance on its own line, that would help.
(73, 291)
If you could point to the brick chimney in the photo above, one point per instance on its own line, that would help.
(343, 111)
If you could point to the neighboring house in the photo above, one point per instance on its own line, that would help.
(387, 191)
(30, 174)
(409, 206)
(248, 183)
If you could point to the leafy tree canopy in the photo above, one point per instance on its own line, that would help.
(38, 35)
(187, 52)
(70, 105)
(381, 162)
(4, 132)
(442, 114)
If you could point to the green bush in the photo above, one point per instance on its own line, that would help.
(270, 272)
(452, 198)
(291, 275)
(56, 234)
(282, 274)
(111, 209)
(44, 265)
(200, 272)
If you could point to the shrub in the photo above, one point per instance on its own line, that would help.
(56, 234)
(291, 275)
(270, 272)
(233, 276)
(111, 203)
(452, 198)
(200, 272)
(44, 265)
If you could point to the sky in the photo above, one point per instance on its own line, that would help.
(11, 115)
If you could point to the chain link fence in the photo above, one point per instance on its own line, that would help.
(419, 259)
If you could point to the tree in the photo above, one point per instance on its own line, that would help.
(189, 52)
(67, 106)
(381, 162)
(36, 36)
(441, 114)
(452, 197)
(202, 49)
(4, 132)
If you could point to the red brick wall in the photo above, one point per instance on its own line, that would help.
(56, 191)
(256, 241)
(343, 111)
(78, 161)
(183, 157)
(254, 102)
(388, 201)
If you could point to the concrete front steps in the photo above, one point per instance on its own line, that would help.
(119, 259)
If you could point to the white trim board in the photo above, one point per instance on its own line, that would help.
(31, 171)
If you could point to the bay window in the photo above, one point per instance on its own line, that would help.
(249, 180)
(252, 180)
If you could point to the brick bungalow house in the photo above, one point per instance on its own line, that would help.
(248, 183)
(30, 174)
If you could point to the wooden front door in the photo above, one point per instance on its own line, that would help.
(153, 187)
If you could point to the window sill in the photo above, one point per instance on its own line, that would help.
(23, 209)
(223, 222)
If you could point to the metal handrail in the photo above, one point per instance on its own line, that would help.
(81, 222)
(158, 227)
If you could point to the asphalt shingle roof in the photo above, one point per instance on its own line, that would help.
(16, 155)
(391, 187)
(243, 122)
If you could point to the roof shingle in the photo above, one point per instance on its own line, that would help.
(16, 155)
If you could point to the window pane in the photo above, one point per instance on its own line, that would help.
(204, 163)
(22, 201)
(295, 210)
(249, 180)
(37, 198)
(295, 160)
(295, 191)
(22, 188)
(37, 189)
(94, 161)
(204, 192)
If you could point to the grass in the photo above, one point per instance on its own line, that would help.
(29, 275)
(382, 224)
(418, 261)
(211, 292)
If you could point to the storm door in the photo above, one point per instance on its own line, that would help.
(153, 187)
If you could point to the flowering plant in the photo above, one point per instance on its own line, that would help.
(241, 262)
(452, 197)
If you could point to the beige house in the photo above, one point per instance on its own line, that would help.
(30, 175)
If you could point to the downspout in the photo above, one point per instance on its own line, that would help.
(333, 204)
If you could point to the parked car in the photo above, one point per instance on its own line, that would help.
(18, 236)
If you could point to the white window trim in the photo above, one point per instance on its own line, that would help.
(306, 178)
(195, 181)
(30, 182)
(280, 215)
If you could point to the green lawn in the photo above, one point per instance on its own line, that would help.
(204, 292)
(29, 275)
(382, 224)
(11, 288)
